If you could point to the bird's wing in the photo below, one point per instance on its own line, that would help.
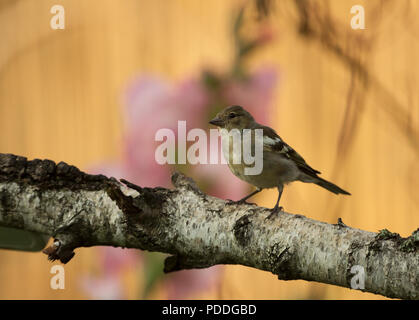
(272, 142)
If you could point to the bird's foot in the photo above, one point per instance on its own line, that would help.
(274, 211)
(241, 201)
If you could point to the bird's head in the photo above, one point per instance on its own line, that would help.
(233, 117)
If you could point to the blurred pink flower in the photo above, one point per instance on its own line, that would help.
(186, 283)
(104, 288)
(149, 105)
(114, 261)
(152, 105)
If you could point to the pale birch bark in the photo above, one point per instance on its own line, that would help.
(197, 230)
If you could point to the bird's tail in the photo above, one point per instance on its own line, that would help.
(330, 186)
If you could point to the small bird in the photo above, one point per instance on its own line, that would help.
(281, 163)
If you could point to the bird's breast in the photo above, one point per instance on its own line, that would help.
(277, 169)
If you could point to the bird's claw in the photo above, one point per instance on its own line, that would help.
(274, 211)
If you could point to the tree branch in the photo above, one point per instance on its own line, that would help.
(197, 230)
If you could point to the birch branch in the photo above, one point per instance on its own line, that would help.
(197, 230)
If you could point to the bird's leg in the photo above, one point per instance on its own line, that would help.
(243, 200)
(277, 208)
(250, 195)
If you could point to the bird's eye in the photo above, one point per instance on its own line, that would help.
(232, 115)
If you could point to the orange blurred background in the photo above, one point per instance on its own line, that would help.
(60, 99)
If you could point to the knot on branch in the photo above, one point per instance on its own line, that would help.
(180, 181)
(243, 230)
(57, 251)
(279, 260)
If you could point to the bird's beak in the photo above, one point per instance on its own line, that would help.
(217, 122)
